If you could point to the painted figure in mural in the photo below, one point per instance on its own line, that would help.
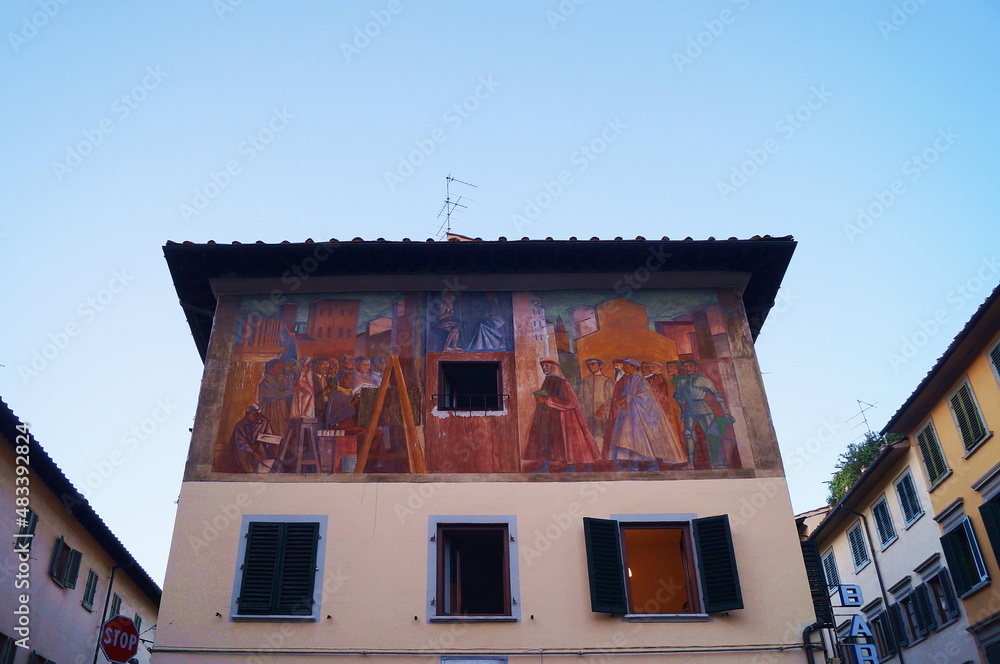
(363, 376)
(664, 389)
(703, 405)
(247, 451)
(558, 433)
(322, 383)
(304, 396)
(619, 368)
(447, 320)
(275, 395)
(346, 366)
(638, 428)
(489, 334)
(595, 396)
(378, 368)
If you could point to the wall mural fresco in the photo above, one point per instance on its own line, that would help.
(480, 382)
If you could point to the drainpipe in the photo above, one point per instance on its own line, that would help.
(807, 644)
(104, 615)
(878, 574)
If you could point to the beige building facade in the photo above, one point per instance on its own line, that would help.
(446, 490)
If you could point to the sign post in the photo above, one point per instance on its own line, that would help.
(119, 639)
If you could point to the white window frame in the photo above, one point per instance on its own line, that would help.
(833, 560)
(903, 477)
(433, 524)
(878, 527)
(864, 548)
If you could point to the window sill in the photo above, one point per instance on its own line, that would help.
(238, 618)
(974, 589)
(666, 617)
(889, 543)
(975, 448)
(915, 519)
(941, 479)
(866, 563)
(471, 619)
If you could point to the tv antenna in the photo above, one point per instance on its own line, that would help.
(450, 205)
(863, 406)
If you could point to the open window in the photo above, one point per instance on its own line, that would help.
(65, 564)
(662, 567)
(474, 569)
(470, 386)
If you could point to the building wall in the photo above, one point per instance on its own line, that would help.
(905, 557)
(967, 468)
(376, 565)
(61, 629)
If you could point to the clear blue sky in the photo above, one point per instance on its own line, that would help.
(126, 124)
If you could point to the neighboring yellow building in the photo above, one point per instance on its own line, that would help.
(950, 418)
(66, 572)
(613, 491)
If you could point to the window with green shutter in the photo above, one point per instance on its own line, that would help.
(65, 565)
(859, 552)
(883, 522)
(930, 452)
(818, 584)
(965, 562)
(90, 591)
(968, 419)
(942, 597)
(909, 502)
(830, 569)
(26, 530)
(278, 575)
(657, 568)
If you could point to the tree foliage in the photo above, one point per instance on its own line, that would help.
(853, 461)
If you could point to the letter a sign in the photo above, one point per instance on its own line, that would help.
(119, 639)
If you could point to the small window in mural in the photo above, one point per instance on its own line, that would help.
(470, 386)
(464, 381)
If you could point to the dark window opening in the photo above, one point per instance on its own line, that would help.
(473, 577)
(470, 386)
(659, 570)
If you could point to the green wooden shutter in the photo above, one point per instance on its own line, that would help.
(720, 580)
(925, 612)
(604, 565)
(298, 570)
(930, 450)
(990, 511)
(72, 570)
(260, 569)
(890, 638)
(958, 561)
(818, 586)
(970, 423)
(992, 652)
(55, 568)
(995, 358)
(951, 600)
(898, 628)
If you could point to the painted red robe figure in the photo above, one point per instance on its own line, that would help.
(558, 431)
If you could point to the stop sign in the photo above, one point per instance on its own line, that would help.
(119, 639)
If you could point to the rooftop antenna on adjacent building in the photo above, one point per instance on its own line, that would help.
(864, 406)
(450, 205)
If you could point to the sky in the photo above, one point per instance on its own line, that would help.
(866, 130)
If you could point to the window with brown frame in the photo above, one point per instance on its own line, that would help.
(473, 570)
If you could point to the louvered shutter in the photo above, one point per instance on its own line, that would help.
(858, 550)
(830, 569)
(908, 498)
(883, 521)
(818, 586)
(990, 511)
(970, 423)
(992, 653)
(958, 561)
(298, 570)
(898, 628)
(720, 580)
(930, 450)
(72, 570)
(995, 358)
(951, 610)
(55, 569)
(260, 569)
(604, 565)
(890, 638)
(925, 612)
